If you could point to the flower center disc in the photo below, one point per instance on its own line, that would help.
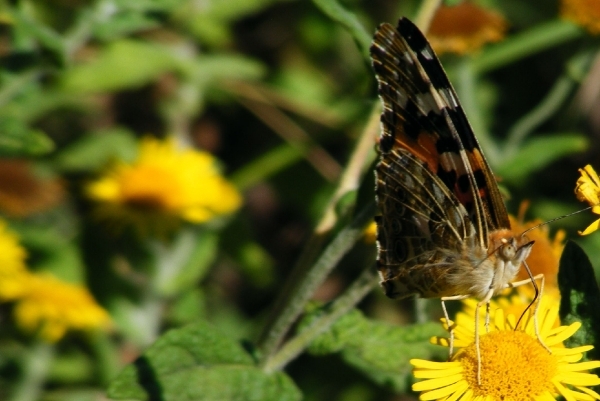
(514, 366)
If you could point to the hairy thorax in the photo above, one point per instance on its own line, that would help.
(478, 271)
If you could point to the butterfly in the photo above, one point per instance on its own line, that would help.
(443, 231)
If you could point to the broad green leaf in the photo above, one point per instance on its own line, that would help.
(382, 351)
(538, 152)
(123, 24)
(211, 23)
(209, 69)
(17, 139)
(580, 298)
(199, 363)
(122, 64)
(94, 151)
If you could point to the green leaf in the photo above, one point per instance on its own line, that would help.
(17, 139)
(199, 363)
(92, 152)
(211, 68)
(538, 152)
(122, 64)
(334, 10)
(186, 261)
(212, 22)
(123, 24)
(382, 351)
(580, 298)
(516, 47)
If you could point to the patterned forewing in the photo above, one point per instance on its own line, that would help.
(421, 114)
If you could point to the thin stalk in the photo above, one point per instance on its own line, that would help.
(35, 370)
(526, 43)
(425, 14)
(342, 305)
(313, 278)
(301, 284)
(466, 88)
(550, 105)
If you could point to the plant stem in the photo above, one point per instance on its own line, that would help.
(467, 91)
(313, 278)
(425, 14)
(557, 96)
(526, 43)
(307, 274)
(35, 369)
(353, 295)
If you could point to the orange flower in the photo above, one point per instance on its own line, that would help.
(585, 13)
(545, 254)
(23, 193)
(465, 28)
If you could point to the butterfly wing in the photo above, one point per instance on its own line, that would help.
(435, 189)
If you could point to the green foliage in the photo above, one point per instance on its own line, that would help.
(16, 139)
(580, 298)
(380, 350)
(198, 362)
(121, 64)
(537, 153)
(282, 93)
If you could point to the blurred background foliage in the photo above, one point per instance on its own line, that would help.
(280, 92)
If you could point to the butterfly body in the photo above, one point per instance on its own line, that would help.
(443, 230)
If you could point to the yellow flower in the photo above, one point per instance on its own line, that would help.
(51, 307)
(514, 365)
(587, 190)
(370, 234)
(13, 273)
(464, 28)
(162, 187)
(585, 13)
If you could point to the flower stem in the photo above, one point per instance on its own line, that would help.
(313, 277)
(557, 96)
(534, 40)
(353, 295)
(35, 369)
(425, 14)
(310, 269)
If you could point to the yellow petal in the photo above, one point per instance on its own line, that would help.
(591, 228)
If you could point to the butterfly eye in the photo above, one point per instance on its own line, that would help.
(508, 251)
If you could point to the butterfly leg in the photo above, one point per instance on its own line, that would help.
(449, 322)
(484, 301)
(536, 299)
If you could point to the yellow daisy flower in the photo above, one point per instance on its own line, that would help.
(51, 307)
(514, 365)
(587, 190)
(585, 13)
(13, 272)
(162, 187)
(464, 28)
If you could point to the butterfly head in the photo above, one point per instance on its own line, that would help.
(515, 249)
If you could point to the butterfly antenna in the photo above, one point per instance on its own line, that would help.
(558, 218)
